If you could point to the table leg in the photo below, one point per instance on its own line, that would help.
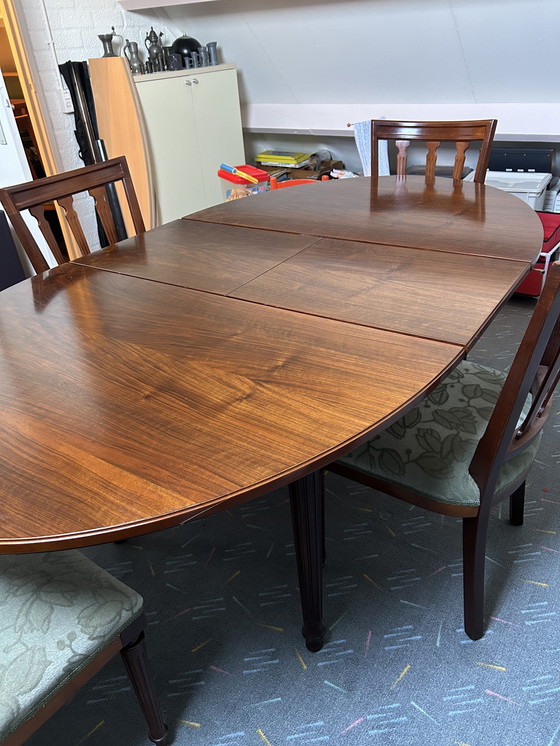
(306, 497)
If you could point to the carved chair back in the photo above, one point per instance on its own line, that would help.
(99, 180)
(433, 134)
(536, 371)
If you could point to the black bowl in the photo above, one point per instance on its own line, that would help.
(184, 45)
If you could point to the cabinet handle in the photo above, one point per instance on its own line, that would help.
(195, 81)
(188, 82)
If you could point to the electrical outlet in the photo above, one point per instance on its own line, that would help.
(66, 98)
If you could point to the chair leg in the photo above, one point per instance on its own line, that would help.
(323, 541)
(136, 662)
(475, 531)
(517, 506)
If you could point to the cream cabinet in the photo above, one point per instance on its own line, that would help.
(185, 124)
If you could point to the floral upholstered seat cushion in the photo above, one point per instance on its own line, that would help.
(429, 450)
(57, 611)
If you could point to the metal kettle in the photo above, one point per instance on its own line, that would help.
(155, 49)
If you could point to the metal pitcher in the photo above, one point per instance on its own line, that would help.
(136, 65)
(107, 41)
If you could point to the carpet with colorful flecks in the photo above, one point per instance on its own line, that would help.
(230, 664)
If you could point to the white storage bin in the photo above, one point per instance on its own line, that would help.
(530, 187)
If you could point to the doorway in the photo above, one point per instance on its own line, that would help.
(15, 61)
(17, 80)
(18, 102)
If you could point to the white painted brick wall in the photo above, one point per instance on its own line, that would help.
(57, 31)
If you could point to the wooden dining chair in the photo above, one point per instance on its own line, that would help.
(62, 618)
(433, 134)
(458, 453)
(275, 184)
(96, 179)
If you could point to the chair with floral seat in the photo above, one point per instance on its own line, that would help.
(62, 618)
(471, 443)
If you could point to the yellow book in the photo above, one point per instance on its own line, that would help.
(282, 157)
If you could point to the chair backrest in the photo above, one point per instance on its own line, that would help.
(536, 371)
(275, 184)
(98, 180)
(11, 270)
(433, 134)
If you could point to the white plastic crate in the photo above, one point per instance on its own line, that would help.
(530, 187)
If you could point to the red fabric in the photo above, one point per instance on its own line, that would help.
(532, 284)
(551, 226)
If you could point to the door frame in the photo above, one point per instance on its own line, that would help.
(24, 70)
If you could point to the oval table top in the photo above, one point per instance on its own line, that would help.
(464, 218)
(138, 393)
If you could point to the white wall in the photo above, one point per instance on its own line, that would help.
(312, 65)
(355, 51)
(306, 63)
(62, 30)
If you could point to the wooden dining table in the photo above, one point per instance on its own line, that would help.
(241, 349)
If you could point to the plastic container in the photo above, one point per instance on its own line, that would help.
(234, 187)
(530, 187)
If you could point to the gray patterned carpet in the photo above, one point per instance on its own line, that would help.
(230, 664)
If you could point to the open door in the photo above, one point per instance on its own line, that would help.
(14, 168)
(13, 51)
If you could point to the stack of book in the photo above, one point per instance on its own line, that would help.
(283, 159)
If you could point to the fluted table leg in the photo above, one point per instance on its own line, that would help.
(307, 518)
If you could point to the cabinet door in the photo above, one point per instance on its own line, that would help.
(218, 124)
(167, 106)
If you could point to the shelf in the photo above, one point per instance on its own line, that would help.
(516, 122)
(142, 4)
